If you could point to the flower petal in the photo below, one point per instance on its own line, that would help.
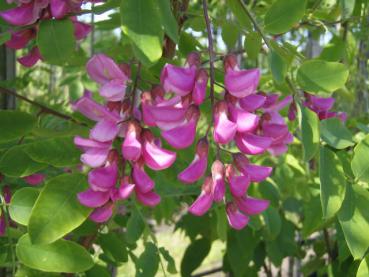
(252, 206)
(103, 178)
(20, 39)
(156, 157)
(59, 8)
(93, 199)
(194, 171)
(236, 219)
(150, 198)
(246, 122)
(34, 179)
(179, 80)
(252, 144)
(113, 90)
(22, 15)
(257, 173)
(142, 180)
(202, 204)
(252, 102)
(238, 185)
(241, 83)
(102, 69)
(199, 91)
(182, 136)
(31, 58)
(103, 213)
(105, 130)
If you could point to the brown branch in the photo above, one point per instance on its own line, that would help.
(43, 108)
(180, 7)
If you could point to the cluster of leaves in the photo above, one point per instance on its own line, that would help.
(319, 190)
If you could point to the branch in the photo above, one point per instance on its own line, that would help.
(134, 87)
(43, 108)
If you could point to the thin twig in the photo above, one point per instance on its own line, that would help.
(211, 64)
(43, 108)
(256, 25)
(134, 88)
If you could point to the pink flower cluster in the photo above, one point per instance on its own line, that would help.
(320, 105)
(173, 107)
(28, 12)
(118, 119)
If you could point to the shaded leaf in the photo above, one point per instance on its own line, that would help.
(60, 256)
(22, 203)
(15, 124)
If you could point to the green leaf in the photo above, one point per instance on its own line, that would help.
(236, 7)
(57, 210)
(58, 152)
(273, 223)
(278, 66)
(332, 182)
(168, 20)
(60, 256)
(252, 45)
(142, 24)
(309, 124)
(171, 264)
(360, 161)
(98, 271)
(222, 224)
(363, 270)
(347, 7)
(22, 203)
(312, 217)
(319, 76)
(15, 124)
(334, 133)
(55, 39)
(195, 253)
(16, 163)
(230, 34)
(240, 249)
(114, 247)
(135, 227)
(148, 262)
(354, 220)
(283, 15)
(4, 37)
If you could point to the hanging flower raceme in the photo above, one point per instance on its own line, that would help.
(30, 12)
(117, 121)
(251, 120)
(320, 105)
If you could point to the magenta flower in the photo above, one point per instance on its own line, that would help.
(2, 223)
(131, 147)
(199, 90)
(251, 206)
(31, 58)
(142, 180)
(20, 39)
(236, 219)
(183, 135)
(154, 156)
(180, 80)
(103, 178)
(205, 200)
(34, 179)
(224, 129)
(218, 185)
(96, 152)
(199, 164)
(150, 198)
(239, 83)
(109, 75)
